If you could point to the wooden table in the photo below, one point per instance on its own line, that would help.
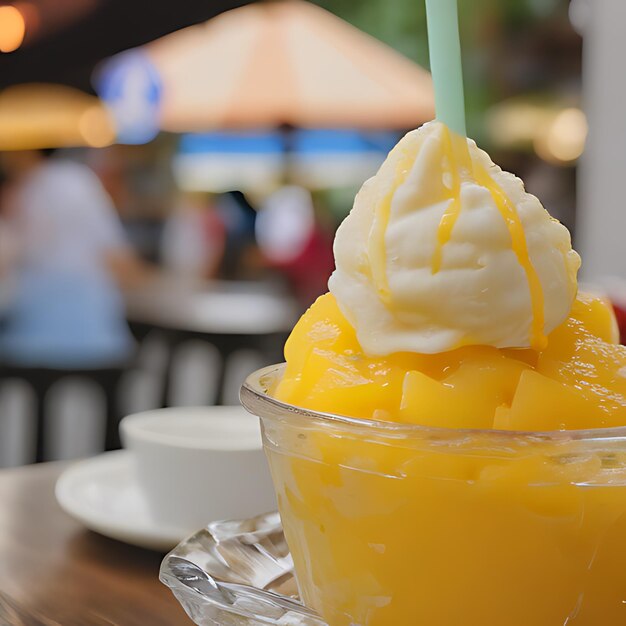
(54, 572)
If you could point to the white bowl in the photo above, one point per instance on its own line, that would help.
(199, 464)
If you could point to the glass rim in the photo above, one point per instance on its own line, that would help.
(255, 398)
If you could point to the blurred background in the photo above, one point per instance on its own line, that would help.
(172, 174)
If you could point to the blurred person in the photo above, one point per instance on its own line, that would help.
(240, 255)
(7, 250)
(295, 239)
(69, 263)
(285, 223)
(194, 238)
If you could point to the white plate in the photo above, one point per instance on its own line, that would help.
(102, 493)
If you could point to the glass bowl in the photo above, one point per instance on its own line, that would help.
(396, 524)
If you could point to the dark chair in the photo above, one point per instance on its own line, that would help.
(41, 380)
(269, 345)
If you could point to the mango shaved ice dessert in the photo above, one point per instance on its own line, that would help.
(467, 474)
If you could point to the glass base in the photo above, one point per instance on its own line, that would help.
(237, 573)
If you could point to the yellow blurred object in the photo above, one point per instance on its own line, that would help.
(564, 141)
(515, 123)
(286, 62)
(12, 28)
(52, 116)
(557, 133)
(95, 127)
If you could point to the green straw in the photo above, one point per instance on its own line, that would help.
(445, 63)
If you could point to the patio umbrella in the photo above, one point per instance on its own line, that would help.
(52, 116)
(284, 63)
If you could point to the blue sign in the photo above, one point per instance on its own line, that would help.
(131, 88)
(303, 142)
(231, 142)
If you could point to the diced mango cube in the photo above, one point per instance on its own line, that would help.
(544, 404)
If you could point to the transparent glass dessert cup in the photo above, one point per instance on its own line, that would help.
(402, 525)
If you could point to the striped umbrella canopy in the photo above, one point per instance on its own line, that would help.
(284, 62)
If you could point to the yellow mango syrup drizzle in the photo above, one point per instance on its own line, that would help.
(378, 248)
(461, 166)
(538, 339)
(460, 169)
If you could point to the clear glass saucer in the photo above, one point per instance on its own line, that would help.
(237, 573)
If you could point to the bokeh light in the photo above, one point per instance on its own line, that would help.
(95, 127)
(564, 141)
(12, 28)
